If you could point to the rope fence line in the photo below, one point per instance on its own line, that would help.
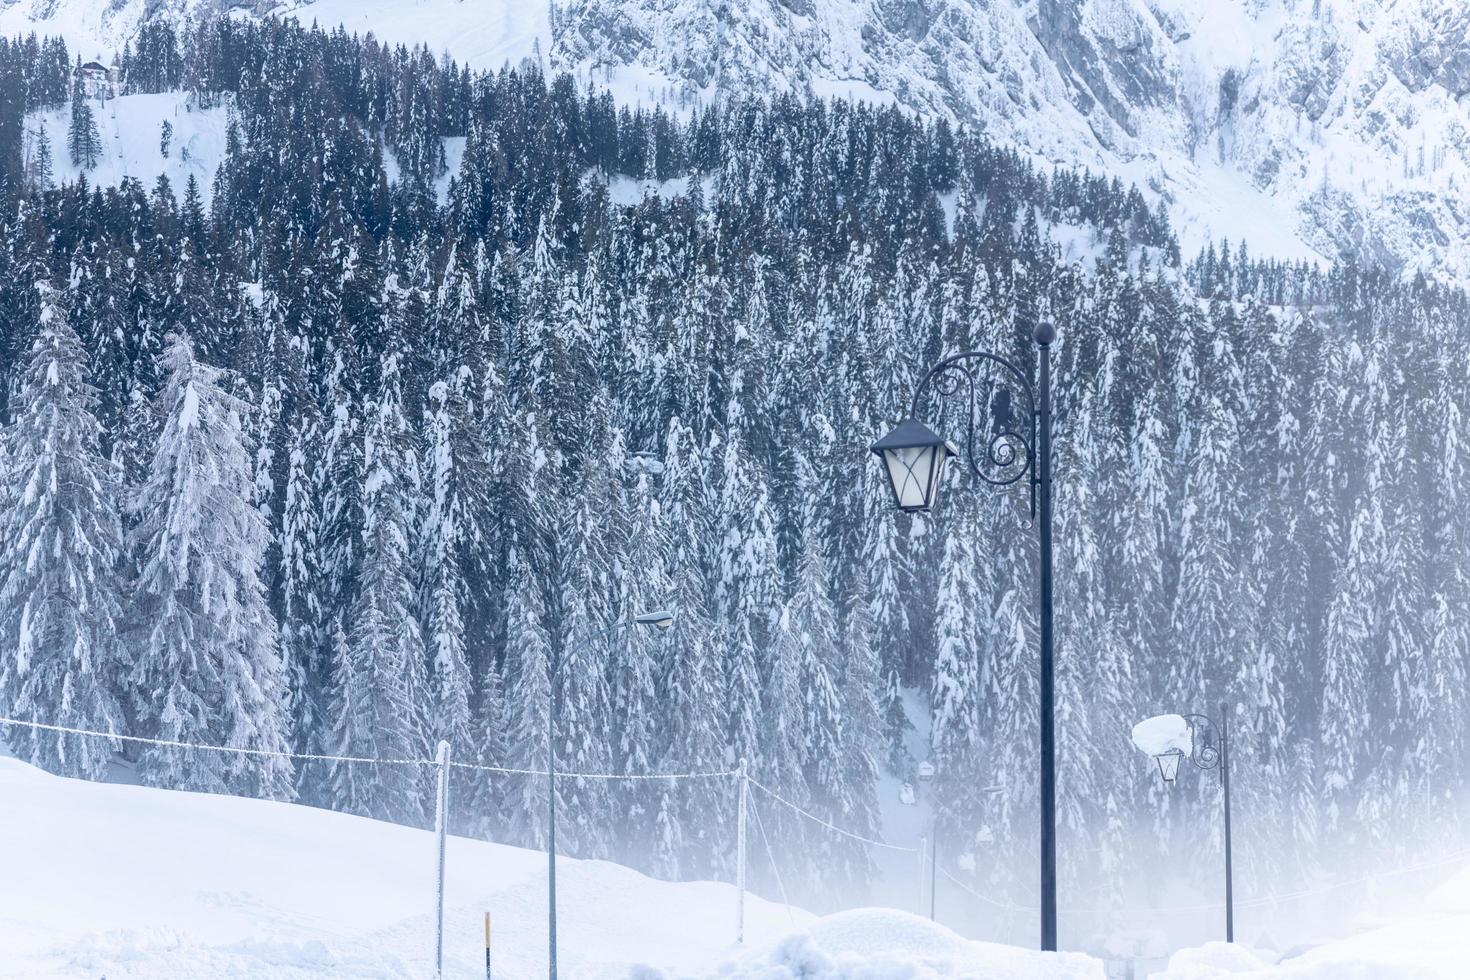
(830, 826)
(720, 774)
(775, 865)
(312, 757)
(228, 749)
(1454, 857)
(1007, 906)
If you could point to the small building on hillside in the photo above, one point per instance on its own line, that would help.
(98, 80)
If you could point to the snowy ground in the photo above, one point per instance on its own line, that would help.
(130, 129)
(121, 881)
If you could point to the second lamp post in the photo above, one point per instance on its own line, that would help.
(661, 620)
(1171, 739)
(914, 458)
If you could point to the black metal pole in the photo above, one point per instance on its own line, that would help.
(551, 817)
(933, 862)
(1044, 334)
(1225, 779)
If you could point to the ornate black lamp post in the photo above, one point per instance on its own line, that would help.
(1171, 739)
(659, 620)
(1011, 450)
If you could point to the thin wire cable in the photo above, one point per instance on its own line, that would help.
(831, 826)
(775, 868)
(724, 773)
(984, 898)
(312, 757)
(237, 750)
(1451, 858)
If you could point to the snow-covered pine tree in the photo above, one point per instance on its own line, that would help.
(204, 636)
(692, 813)
(746, 595)
(378, 680)
(61, 597)
(444, 540)
(43, 164)
(528, 689)
(962, 665)
(1209, 635)
(1347, 651)
(82, 140)
(640, 582)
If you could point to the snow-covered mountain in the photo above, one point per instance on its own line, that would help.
(1310, 127)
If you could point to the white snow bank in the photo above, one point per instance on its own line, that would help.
(1162, 734)
(1452, 896)
(883, 944)
(102, 879)
(1423, 948)
(1211, 961)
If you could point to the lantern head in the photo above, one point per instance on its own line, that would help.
(913, 457)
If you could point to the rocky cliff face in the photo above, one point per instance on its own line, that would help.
(1323, 127)
(1313, 128)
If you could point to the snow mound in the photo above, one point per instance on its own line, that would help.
(1452, 896)
(1163, 734)
(104, 879)
(1211, 961)
(884, 944)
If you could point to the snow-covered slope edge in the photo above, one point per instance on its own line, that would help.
(112, 880)
(104, 879)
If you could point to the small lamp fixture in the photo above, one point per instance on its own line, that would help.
(926, 771)
(661, 619)
(1169, 765)
(914, 457)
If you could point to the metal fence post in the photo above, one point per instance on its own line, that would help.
(740, 855)
(441, 830)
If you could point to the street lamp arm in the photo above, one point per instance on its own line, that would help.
(1205, 746)
(578, 643)
(1007, 454)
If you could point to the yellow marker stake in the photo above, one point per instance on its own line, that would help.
(487, 946)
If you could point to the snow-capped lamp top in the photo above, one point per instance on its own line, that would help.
(661, 618)
(914, 457)
(1168, 738)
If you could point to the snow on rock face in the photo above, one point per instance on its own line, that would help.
(1313, 128)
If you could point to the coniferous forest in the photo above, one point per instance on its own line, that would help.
(322, 459)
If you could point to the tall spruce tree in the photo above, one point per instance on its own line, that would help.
(203, 631)
(61, 595)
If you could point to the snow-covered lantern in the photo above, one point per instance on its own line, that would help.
(926, 772)
(1168, 738)
(661, 619)
(914, 457)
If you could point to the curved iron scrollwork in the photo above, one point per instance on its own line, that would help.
(1003, 451)
(1205, 739)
